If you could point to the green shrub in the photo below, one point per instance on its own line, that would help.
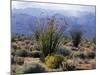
(19, 70)
(12, 60)
(13, 52)
(76, 37)
(68, 66)
(94, 40)
(91, 55)
(32, 68)
(81, 55)
(19, 60)
(13, 39)
(21, 53)
(36, 54)
(14, 46)
(49, 38)
(63, 51)
(66, 39)
(77, 54)
(71, 67)
(54, 61)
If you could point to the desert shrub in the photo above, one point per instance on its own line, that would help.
(77, 54)
(49, 37)
(19, 60)
(14, 46)
(71, 67)
(35, 47)
(13, 52)
(76, 37)
(19, 70)
(36, 54)
(94, 40)
(21, 53)
(68, 66)
(63, 51)
(80, 55)
(54, 61)
(13, 39)
(12, 60)
(32, 48)
(91, 54)
(66, 39)
(33, 68)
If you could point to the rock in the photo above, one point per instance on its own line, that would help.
(83, 66)
(75, 48)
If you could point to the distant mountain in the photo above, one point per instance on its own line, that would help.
(24, 20)
(21, 23)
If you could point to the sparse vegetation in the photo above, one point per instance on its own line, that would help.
(94, 40)
(68, 65)
(19, 60)
(76, 37)
(36, 54)
(33, 68)
(22, 53)
(63, 51)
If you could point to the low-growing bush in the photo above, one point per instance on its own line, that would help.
(36, 54)
(12, 60)
(92, 54)
(19, 70)
(54, 61)
(94, 40)
(63, 51)
(33, 68)
(71, 67)
(81, 55)
(21, 53)
(13, 52)
(14, 46)
(19, 60)
(68, 66)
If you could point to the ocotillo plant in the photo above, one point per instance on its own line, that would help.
(49, 37)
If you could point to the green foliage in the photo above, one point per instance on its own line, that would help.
(22, 53)
(36, 54)
(77, 54)
(19, 60)
(12, 60)
(63, 51)
(19, 70)
(65, 40)
(68, 65)
(81, 55)
(13, 52)
(30, 68)
(54, 61)
(94, 40)
(91, 55)
(49, 38)
(76, 37)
